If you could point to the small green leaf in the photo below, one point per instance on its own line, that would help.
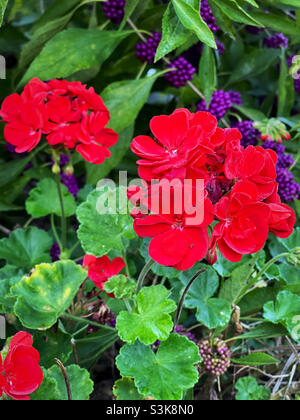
(192, 20)
(121, 286)
(26, 247)
(208, 73)
(264, 331)
(164, 375)
(101, 233)
(249, 390)
(125, 390)
(286, 311)
(80, 382)
(125, 100)
(211, 312)
(44, 200)
(174, 34)
(3, 5)
(9, 276)
(46, 293)
(256, 359)
(235, 12)
(150, 321)
(73, 50)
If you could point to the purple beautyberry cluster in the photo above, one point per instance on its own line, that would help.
(288, 189)
(114, 10)
(55, 252)
(181, 331)
(249, 132)
(70, 182)
(297, 81)
(254, 30)
(216, 357)
(208, 16)
(220, 103)
(184, 72)
(277, 41)
(146, 51)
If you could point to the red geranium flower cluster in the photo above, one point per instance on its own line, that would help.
(240, 191)
(20, 374)
(100, 270)
(67, 113)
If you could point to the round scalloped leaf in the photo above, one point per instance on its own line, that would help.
(47, 391)
(26, 247)
(80, 382)
(125, 390)
(44, 200)
(46, 293)
(150, 321)
(164, 375)
(121, 286)
(9, 276)
(104, 222)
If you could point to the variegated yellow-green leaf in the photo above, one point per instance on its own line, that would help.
(44, 295)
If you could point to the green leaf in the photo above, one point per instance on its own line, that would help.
(290, 274)
(9, 276)
(254, 64)
(174, 34)
(164, 375)
(80, 382)
(256, 359)
(46, 293)
(249, 390)
(208, 73)
(125, 390)
(235, 12)
(90, 348)
(125, 100)
(97, 172)
(44, 200)
(286, 95)
(285, 311)
(278, 22)
(3, 5)
(121, 286)
(292, 242)
(252, 114)
(263, 331)
(47, 391)
(150, 321)
(211, 312)
(10, 170)
(232, 288)
(53, 345)
(26, 247)
(192, 20)
(114, 226)
(73, 50)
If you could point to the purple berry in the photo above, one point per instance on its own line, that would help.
(114, 10)
(236, 98)
(208, 17)
(184, 72)
(216, 357)
(70, 182)
(55, 252)
(277, 41)
(254, 30)
(249, 132)
(219, 104)
(146, 51)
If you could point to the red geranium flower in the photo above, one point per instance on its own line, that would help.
(20, 375)
(176, 137)
(100, 270)
(178, 241)
(254, 164)
(244, 223)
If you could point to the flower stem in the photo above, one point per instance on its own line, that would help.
(53, 227)
(63, 218)
(143, 275)
(66, 378)
(186, 290)
(87, 322)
